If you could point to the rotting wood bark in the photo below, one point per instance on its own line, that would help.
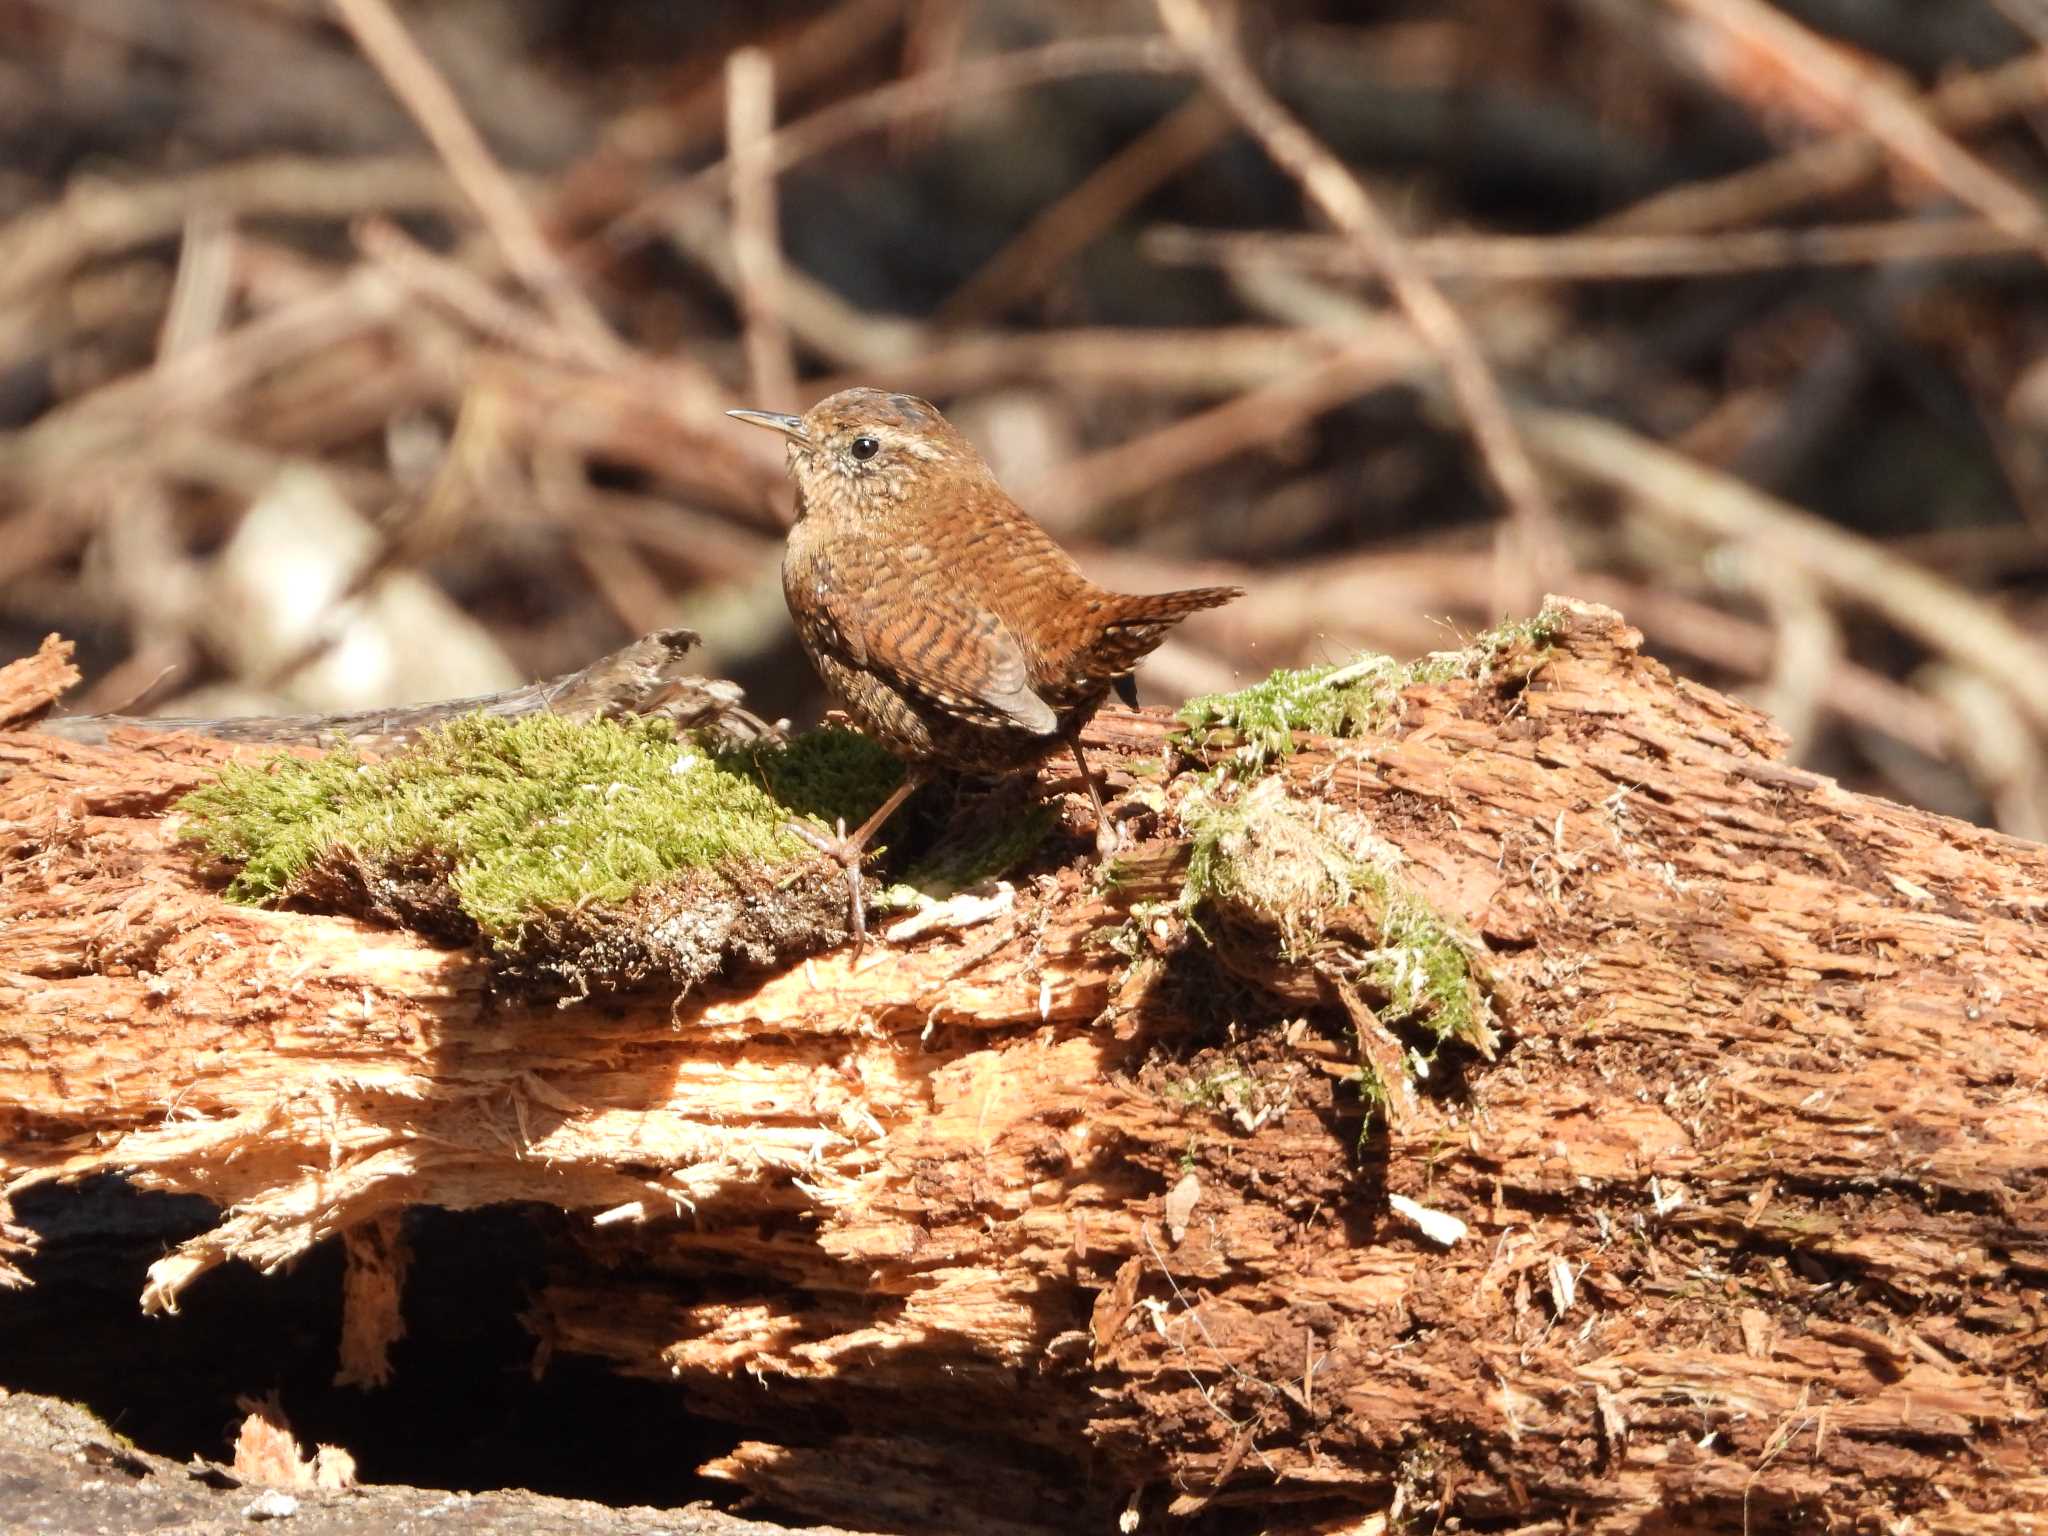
(1000, 1231)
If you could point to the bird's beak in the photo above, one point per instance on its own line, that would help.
(789, 426)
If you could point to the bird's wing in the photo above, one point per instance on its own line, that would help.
(954, 651)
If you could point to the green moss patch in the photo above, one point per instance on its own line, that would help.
(829, 775)
(520, 830)
(1353, 699)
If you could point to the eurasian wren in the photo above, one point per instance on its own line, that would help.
(948, 624)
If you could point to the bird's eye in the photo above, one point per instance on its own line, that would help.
(865, 448)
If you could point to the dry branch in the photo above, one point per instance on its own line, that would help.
(1837, 164)
(1035, 257)
(904, 100)
(1744, 1226)
(756, 241)
(1596, 257)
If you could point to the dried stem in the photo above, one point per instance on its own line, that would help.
(902, 100)
(97, 219)
(1964, 104)
(1607, 258)
(1944, 617)
(1250, 420)
(756, 244)
(1032, 260)
(818, 49)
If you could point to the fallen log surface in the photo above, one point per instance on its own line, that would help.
(1024, 1225)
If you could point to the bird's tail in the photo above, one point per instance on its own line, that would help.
(1133, 626)
(1170, 607)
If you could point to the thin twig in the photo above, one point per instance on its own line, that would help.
(1995, 745)
(100, 428)
(204, 287)
(933, 31)
(1247, 1426)
(2028, 15)
(675, 383)
(1807, 643)
(1190, 363)
(756, 242)
(660, 413)
(1250, 420)
(449, 285)
(621, 577)
(1541, 562)
(823, 321)
(817, 49)
(97, 219)
(1368, 350)
(1606, 258)
(713, 550)
(646, 138)
(433, 105)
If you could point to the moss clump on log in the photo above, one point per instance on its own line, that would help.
(1333, 899)
(586, 851)
(1354, 699)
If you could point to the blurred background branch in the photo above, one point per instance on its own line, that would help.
(362, 351)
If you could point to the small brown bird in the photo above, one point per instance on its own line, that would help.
(949, 625)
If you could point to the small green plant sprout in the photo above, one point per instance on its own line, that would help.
(1354, 699)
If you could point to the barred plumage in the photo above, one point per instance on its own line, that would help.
(950, 625)
(947, 622)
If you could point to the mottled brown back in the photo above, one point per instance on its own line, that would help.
(949, 624)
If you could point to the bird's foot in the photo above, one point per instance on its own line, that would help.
(850, 850)
(848, 853)
(1106, 840)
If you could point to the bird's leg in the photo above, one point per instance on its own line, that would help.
(1105, 834)
(849, 851)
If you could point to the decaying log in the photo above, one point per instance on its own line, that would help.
(1018, 1228)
